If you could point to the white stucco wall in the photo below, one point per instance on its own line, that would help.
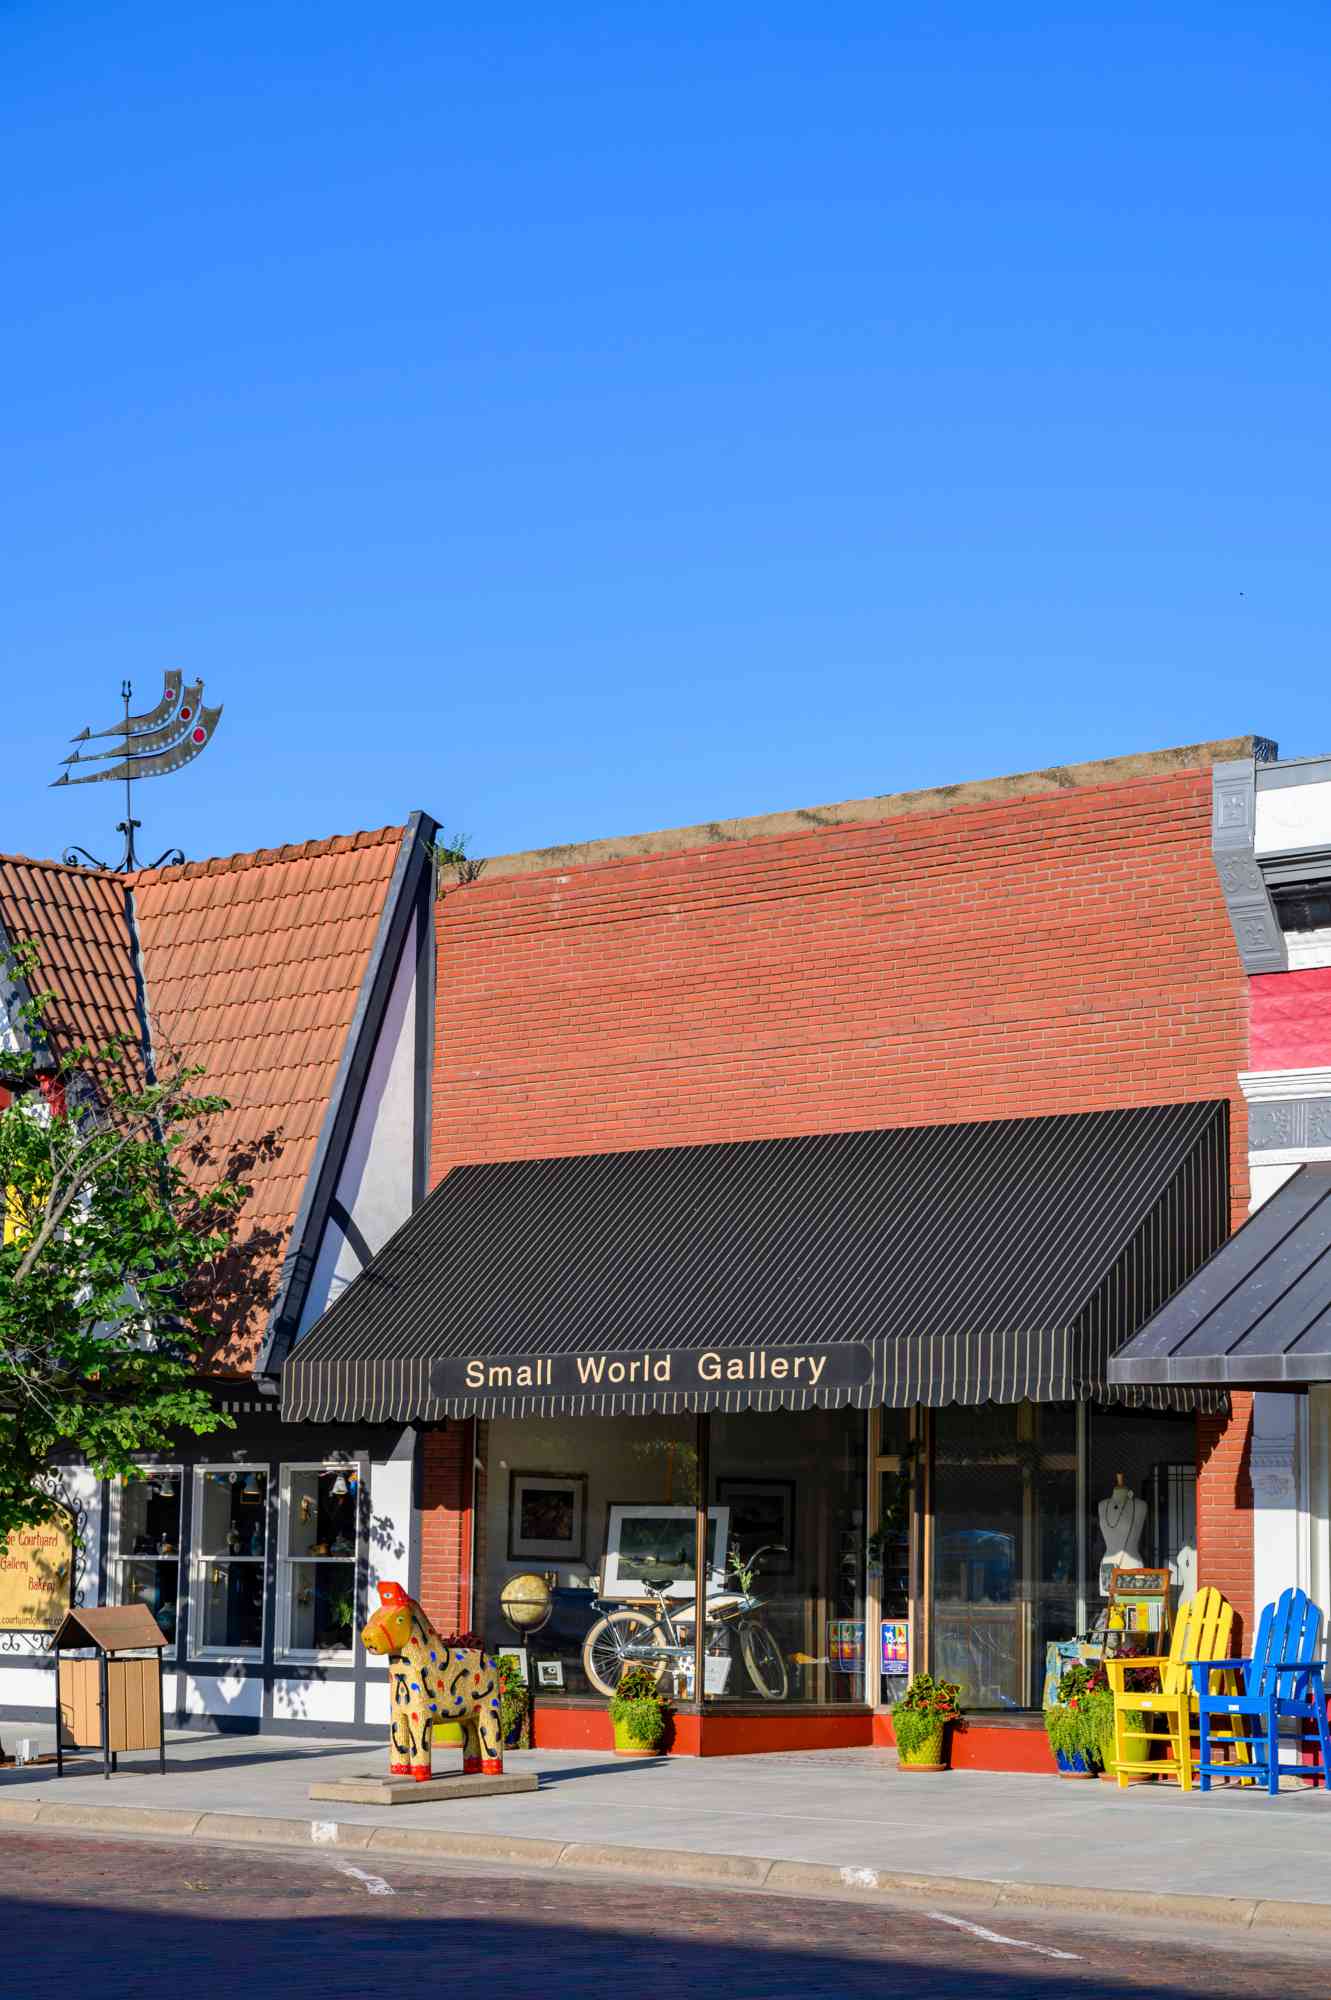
(375, 1186)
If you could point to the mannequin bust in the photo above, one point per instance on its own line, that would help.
(1122, 1522)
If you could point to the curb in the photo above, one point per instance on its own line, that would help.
(665, 1864)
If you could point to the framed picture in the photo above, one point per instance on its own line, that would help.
(762, 1516)
(656, 1545)
(547, 1516)
(549, 1673)
(518, 1655)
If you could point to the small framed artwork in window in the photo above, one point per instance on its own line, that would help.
(547, 1516)
(549, 1673)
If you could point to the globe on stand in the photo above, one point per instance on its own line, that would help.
(526, 1602)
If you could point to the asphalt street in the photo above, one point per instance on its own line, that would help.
(127, 1918)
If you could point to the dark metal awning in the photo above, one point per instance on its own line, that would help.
(932, 1264)
(1258, 1315)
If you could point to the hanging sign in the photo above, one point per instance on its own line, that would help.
(36, 1565)
(654, 1370)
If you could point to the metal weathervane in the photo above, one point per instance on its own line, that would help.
(162, 740)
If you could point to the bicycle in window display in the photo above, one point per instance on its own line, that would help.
(662, 1639)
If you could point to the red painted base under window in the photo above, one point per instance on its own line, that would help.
(976, 1746)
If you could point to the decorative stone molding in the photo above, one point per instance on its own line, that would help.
(1290, 1110)
(1233, 848)
(1274, 1086)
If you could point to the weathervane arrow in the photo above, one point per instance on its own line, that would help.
(144, 742)
(165, 708)
(173, 758)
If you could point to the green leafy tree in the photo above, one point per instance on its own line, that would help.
(107, 1245)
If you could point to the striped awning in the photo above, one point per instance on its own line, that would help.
(1258, 1314)
(927, 1264)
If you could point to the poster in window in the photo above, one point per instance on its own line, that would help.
(547, 1514)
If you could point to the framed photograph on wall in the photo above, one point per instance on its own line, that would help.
(762, 1516)
(549, 1673)
(654, 1544)
(547, 1516)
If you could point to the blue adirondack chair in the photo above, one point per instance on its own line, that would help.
(1283, 1680)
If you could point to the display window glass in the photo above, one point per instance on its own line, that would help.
(230, 1547)
(1005, 1555)
(319, 1555)
(145, 1544)
(1141, 1496)
(591, 1531)
(788, 1623)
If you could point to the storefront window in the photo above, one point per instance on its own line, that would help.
(1141, 1496)
(145, 1555)
(1005, 1554)
(590, 1528)
(317, 1561)
(789, 1623)
(230, 1544)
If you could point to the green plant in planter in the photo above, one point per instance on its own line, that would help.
(637, 1712)
(1075, 1724)
(920, 1720)
(514, 1703)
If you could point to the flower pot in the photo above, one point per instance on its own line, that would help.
(629, 1746)
(926, 1755)
(1072, 1764)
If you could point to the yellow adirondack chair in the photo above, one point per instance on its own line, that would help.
(1201, 1632)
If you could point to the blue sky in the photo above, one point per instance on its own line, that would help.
(575, 421)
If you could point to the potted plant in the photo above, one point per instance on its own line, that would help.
(514, 1704)
(1075, 1724)
(637, 1714)
(920, 1722)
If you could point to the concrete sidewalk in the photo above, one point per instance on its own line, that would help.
(832, 1820)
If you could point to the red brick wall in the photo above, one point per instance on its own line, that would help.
(446, 1526)
(1052, 953)
(1224, 1507)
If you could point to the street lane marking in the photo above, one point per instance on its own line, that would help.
(375, 1884)
(996, 1937)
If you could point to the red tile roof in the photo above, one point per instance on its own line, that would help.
(76, 919)
(253, 965)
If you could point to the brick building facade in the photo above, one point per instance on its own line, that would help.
(1043, 945)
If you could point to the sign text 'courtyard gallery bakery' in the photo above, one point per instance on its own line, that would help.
(846, 1365)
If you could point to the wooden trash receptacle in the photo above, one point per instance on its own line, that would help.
(113, 1700)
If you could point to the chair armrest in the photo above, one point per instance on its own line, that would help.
(1317, 1667)
(1202, 1669)
(1115, 1669)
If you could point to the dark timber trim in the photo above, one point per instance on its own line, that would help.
(414, 867)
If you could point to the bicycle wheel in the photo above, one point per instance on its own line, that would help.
(762, 1657)
(604, 1650)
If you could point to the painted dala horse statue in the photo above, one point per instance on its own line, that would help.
(432, 1681)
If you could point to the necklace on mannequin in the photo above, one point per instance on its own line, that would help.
(1119, 1508)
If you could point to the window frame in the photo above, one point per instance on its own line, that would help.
(201, 1562)
(117, 1560)
(341, 1656)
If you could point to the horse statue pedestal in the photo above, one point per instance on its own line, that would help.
(371, 1788)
